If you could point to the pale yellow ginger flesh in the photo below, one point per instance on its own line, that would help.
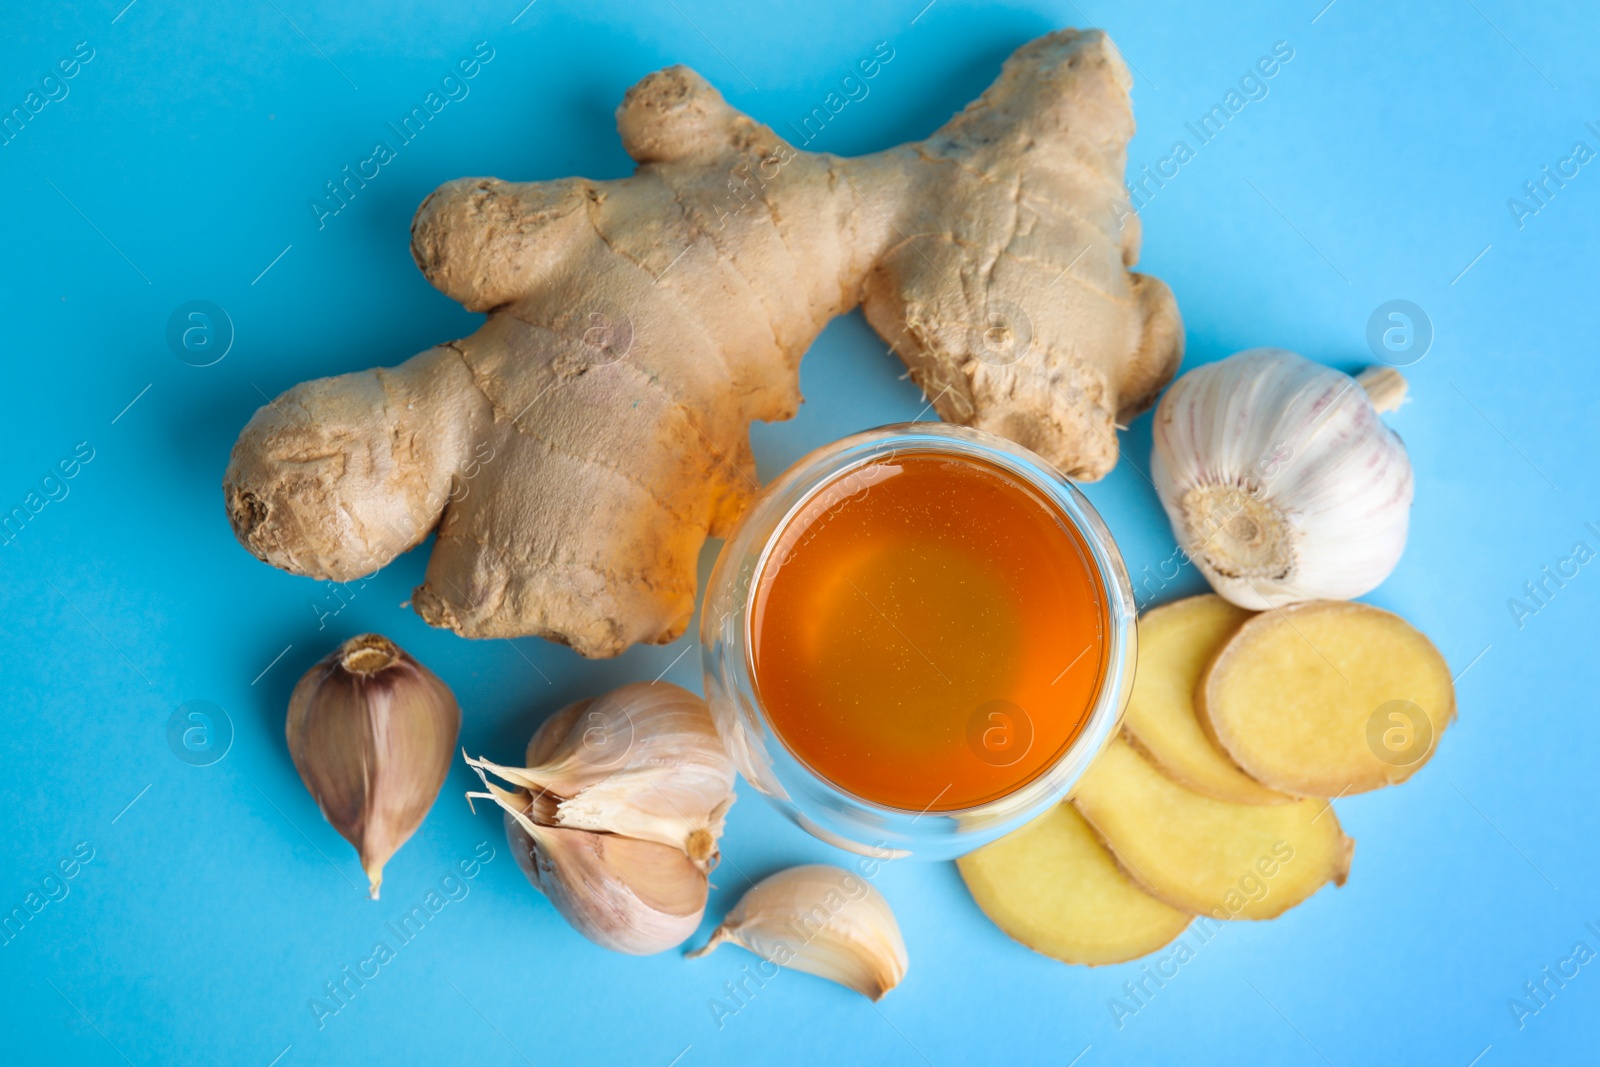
(1053, 886)
(576, 451)
(1206, 856)
(1176, 643)
(1328, 698)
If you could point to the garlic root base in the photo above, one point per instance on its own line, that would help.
(1280, 480)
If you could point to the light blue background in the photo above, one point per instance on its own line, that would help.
(218, 904)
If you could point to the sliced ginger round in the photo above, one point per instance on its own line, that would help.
(1176, 643)
(1328, 698)
(1053, 886)
(1207, 856)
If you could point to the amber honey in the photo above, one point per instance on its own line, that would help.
(927, 632)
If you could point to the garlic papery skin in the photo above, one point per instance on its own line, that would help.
(371, 732)
(1281, 481)
(624, 894)
(823, 920)
(643, 761)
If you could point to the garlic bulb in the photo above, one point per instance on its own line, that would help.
(618, 813)
(1281, 481)
(371, 731)
(822, 920)
(644, 761)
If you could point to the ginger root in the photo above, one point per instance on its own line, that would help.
(577, 450)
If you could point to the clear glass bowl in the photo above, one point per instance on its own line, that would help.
(816, 804)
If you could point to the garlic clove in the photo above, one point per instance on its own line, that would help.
(644, 761)
(822, 920)
(667, 808)
(623, 894)
(1281, 481)
(643, 725)
(371, 732)
(573, 749)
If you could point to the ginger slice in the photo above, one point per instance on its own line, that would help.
(1328, 698)
(1052, 886)
(1176, 643)
(1206, 856)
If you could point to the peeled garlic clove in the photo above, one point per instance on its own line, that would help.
(623, 894)
(371, 731)
(1281, 481)
(822, 920)
(644, 761)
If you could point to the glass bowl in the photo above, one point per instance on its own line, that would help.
(816, 804)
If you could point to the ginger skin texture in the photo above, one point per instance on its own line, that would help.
(576, 451)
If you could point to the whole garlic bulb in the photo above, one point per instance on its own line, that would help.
(1281, 481)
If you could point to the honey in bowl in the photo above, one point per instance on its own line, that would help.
(927, 632)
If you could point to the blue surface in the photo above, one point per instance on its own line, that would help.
(216, 904)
